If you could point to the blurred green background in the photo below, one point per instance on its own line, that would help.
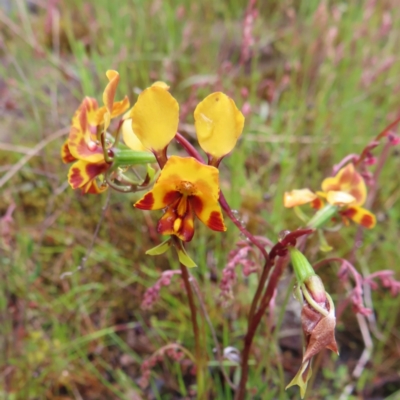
(317, 81)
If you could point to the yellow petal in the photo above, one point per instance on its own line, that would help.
(182, 176)
(161, 196)
(120, 107)
(82, 174)
(130, 139)
(209, 212)
(82, 141)
(339, 198)
(161, 84)
(218, 124)
(347, 180)
(110, 90)
(111, 109)
(155, 118)
(298, 197)
(360, 216)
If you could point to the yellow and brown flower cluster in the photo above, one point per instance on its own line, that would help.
(185, 187)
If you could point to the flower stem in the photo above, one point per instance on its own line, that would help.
(255, 321)
(322, 216)
(200, 365)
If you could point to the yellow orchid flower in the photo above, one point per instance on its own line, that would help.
(185, 188)
(346, 190)
(82, 145)
(218, 124)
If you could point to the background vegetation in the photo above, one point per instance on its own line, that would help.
(317, 80)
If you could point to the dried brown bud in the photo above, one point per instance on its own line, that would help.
(319, 330)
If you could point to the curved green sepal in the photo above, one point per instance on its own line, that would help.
(300, 214)
(323, 244)
(184, 258)
(160, 249)
(150, 172)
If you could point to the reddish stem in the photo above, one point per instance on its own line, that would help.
(255, 321)
(378, 137)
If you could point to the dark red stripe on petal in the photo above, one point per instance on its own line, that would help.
(349, 212)
(197, 204)
(145, 203)
(171, 197)
(216, 222)
(83, 122)
(75, 179)
(166, 223)
(66, 155)
(186, 231)
(94, 170)
(317, 204)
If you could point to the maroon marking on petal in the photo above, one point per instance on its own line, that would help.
(367, 221)
(166, 223)
(187, 228)
(83, 122)
(75, 179)
(67, 157)
(146, 203)
(349, 212)
(317, 203)
(215, 222)
(171, 197)
(197, 204)
(94, 170)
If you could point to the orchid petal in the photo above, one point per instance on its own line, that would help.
(66, 155)
(155, 118)
(347, 180)
(298, 197)
(209, 212)
(82, 173)
(171, 223)
(82, 140)
(130, 139)
(360, 216)
(340, 199)
(219, 124)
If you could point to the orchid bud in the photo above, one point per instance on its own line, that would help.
(317, 316)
